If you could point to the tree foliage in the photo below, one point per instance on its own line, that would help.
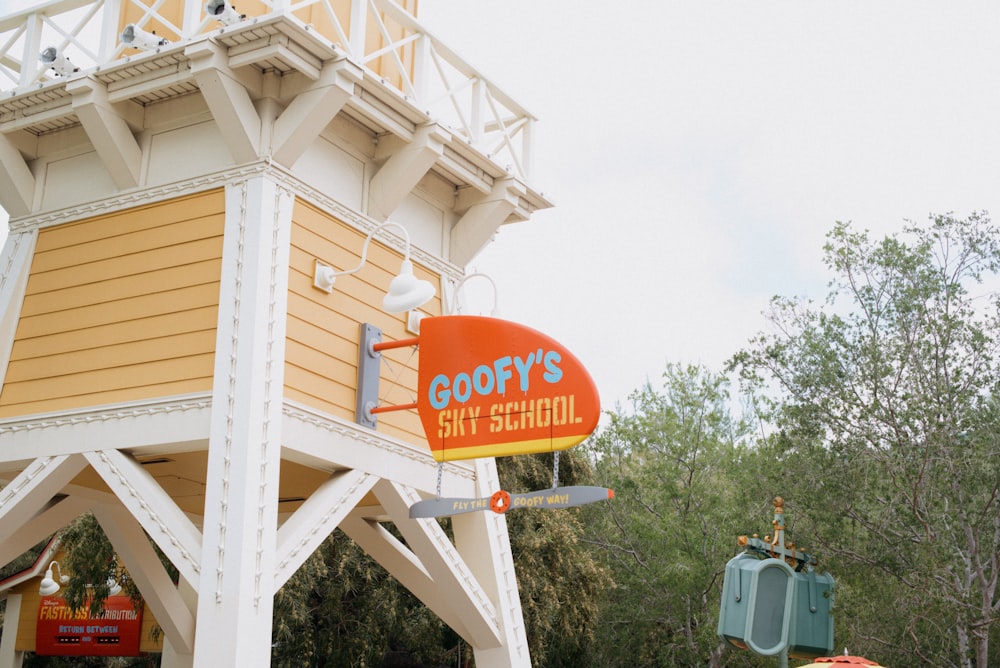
(678, 465)
(887, 399)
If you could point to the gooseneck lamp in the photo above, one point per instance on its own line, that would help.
(49, 585)
(406, 291)
(456, 305)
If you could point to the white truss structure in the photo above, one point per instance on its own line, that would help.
(271, 85)
(439, 82)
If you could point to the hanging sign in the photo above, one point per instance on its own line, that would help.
(490, 388)
(63, 632)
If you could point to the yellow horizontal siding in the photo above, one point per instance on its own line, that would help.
(323, 330)
(119, 307)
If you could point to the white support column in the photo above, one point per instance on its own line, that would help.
(235, 600)
(9, 657)
(483, 542)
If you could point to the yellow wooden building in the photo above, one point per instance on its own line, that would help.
(175, 174)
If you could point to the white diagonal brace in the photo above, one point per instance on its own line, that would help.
(405, 166)
(108, 132)
(457, 587)
(312, 110)
(33, 488)
(144, 567)
(17, 184)
(47, 522)
(315, 519)
(18, 251)
(228, 100)
(483, 541)
(475, 228)
(403, 565)
(165, 523)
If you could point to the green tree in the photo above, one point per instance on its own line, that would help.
(886, 399)
(677, 463)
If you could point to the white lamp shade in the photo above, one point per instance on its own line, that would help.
(406, 291)
(48, 587)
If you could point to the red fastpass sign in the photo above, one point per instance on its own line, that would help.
(63, 632)
(490, 387)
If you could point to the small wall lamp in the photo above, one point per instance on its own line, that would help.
(50, 586)
(456, 306)
(406, 291)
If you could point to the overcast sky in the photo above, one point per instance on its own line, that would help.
(698, 152)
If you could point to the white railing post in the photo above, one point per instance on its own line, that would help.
(109, 30)
(358, 28)
(526, 152)
(476, 126)
(30, 65)
(421, 68)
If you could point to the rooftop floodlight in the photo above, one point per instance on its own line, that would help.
(138, 38)
(456, 303)
(223, 12)
(49, 585)
(51, 57)
(406, 291)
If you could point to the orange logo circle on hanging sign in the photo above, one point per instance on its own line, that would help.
(500, 502)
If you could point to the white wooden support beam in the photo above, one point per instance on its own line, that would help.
(10, 656)
(33, 488)
(227, 99)
(152, 579)
(235, 592)
(481, 221)
(455, 585)
(109, 133)
(158, 514)
(403, 564)
(18, 250)
(316, 519)
(483, 542)
(312, 110)
(407, 163)
(17, 183)
(41, 526)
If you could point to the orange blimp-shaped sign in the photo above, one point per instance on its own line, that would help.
(491, 388)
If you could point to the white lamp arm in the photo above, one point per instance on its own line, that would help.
(368, 240)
